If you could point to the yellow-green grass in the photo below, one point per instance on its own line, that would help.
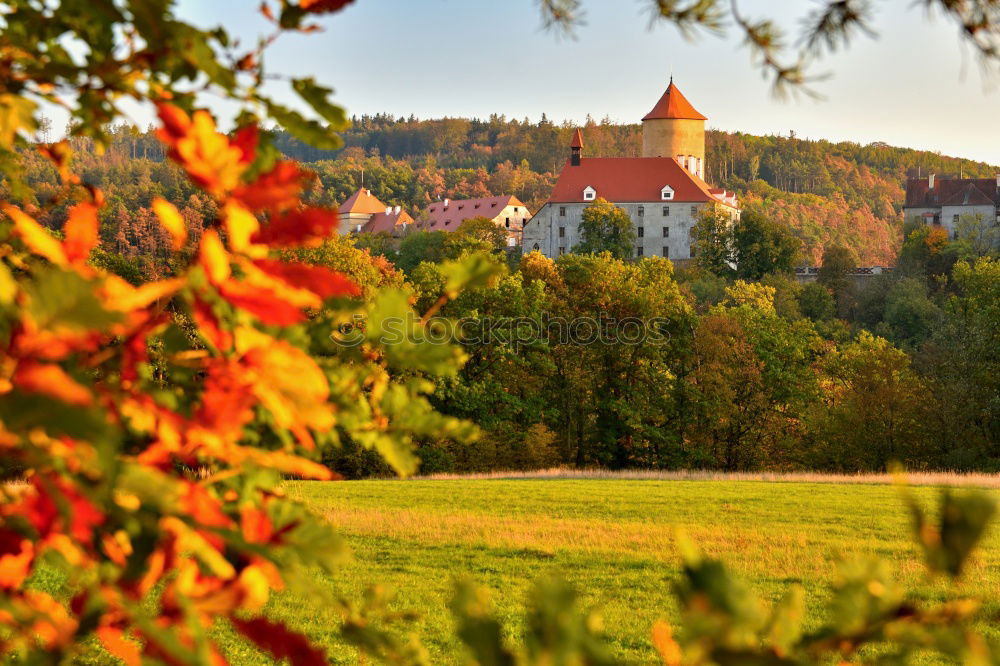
(614, 539)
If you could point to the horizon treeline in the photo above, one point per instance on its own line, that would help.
(826, 193)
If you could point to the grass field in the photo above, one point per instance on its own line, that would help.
(614, 539)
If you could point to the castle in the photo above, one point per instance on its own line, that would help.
(663, 192)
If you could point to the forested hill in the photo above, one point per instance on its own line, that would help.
(827, 192)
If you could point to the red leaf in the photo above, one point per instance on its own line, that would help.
(176, 123)
(246, 139)
(320, 280)
(280, 641)
(278, 189)
(263, 304)
(324, 6)
(309, 227)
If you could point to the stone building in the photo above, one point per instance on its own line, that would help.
(505, 211)
(663, 191)
(944, 201)
(363, 213)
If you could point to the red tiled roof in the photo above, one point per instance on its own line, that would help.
(362, 201)
(629, 179)
(951, 192)
(438, 217)
(386, 221)
(577, 139)
(673, 105)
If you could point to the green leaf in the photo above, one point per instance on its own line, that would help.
(16, 114)
(317, 97)
(303, 128)
(786, 620)
(470, 272)
(63, 299)
(477, 628)
(560, 633)
(961, 523)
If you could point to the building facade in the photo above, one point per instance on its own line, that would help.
(505, 211)
(943, 202)
(663, 191)
(363, 213)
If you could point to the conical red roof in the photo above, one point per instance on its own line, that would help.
(577, 139)
(674, 105)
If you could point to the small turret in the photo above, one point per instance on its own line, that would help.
(576, 148)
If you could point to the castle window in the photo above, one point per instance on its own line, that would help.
(562, 211)
(666, 251)
(666, 211)
(667, 194)
(666, 232)
(638, 251)
(691, 254)
(535, 247)
(562, 232)
(694, 210)
(642, 211)
(954, 219)
(508, 223)
(562, 251)
(640, 231)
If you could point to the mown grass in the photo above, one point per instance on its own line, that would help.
(614, 539)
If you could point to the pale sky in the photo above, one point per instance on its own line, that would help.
(915, 85)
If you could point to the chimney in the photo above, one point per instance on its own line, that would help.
(446, 202)
(930, 182)
(368, 192)
(397, 209)
(388, 210)
(576, 148)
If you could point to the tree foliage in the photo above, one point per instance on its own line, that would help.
(606, 228)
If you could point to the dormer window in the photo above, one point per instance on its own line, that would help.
(667, 193)
(589, 193)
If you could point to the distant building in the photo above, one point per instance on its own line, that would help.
(663, 191)
(943, 201)
(505, 211)
(363, 213)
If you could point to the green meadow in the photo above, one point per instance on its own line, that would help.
(615, 540)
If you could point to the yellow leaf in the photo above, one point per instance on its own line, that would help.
(214, 259)
(35, 236)
(240, 226)
(172, 221)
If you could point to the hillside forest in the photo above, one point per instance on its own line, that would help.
(826, 193)
(751, 370)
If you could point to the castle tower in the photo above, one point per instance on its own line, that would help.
(675, 129)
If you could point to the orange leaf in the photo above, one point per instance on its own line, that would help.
(309, 228)
(51, 380)
(262, 303)
(81, 232)
(280, 642)
(213, 258)
(278, 189)
(114, 641)
(320, 280)
(16, 557)
(172, 221)
(59, 154)
(35, 236)
(255, 524)
(117, 294)
(207, 156)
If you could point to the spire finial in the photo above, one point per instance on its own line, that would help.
(671, 74)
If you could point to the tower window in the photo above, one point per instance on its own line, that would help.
(508, 223)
